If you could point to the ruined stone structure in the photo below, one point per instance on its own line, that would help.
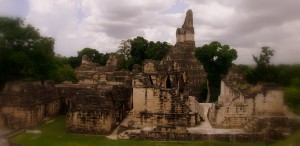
(95, 110)
(27, 104)
(164, 93)
(157, 103)
(182, 58)
(252, 108)
(101, 99)
(93, 73)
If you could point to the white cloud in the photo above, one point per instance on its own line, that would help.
(245, 25)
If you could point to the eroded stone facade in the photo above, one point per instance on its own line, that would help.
(27, 104)
(92, 73)
(101, 99)
(96, 110)
(164, 101)
(257, 108)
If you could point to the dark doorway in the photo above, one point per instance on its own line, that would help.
(168, 83)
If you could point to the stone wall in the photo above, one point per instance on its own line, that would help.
(96, 110)
(27, 104)
(241, 105)
(92, 73)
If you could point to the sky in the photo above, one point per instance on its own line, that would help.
(245, 25)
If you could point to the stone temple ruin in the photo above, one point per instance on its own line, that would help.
(158, 103)
(162, 93)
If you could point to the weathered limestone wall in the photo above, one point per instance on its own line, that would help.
(19, 117)
(270, 104)
(195, 107)
(92, 122)
(240, 104)
(53, 108)
(92, 73)
(96, 110)
(179, 133)
(26, 104)
(186, 33)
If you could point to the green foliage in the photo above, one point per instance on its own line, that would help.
(264, 71)
(158, 50)
(203, 92)
(74, 61)
(286, 73)
(216, 59)
(138, 49)
(125, 49)
(63, 71)
(135, 51)
(292, 95)
(24, 52)
(93, 54)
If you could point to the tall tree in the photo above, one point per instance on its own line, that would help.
(135, 51)
(93, 54)
(125, 49)
(138, 48)
(157, 50)
(216, 59)
(264, 71)
(24, 52)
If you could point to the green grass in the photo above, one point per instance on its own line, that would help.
(53, 134)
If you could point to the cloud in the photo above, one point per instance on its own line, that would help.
(248, 25)
(245, 25)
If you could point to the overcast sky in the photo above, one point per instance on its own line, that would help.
(245, 25)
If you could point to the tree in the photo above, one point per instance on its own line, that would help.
(216, 59)
(125, 49)
(286, 73)
(138, 48)
(158, 50)
(264, 71)
(74, 61)
(62, 70)
(24, 53)
(291, 95)
(135, 51)
(93, 54)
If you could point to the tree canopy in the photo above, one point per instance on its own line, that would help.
(93, 54)
(24, 52)
(135, 51)
(216, 59)
(264, 71)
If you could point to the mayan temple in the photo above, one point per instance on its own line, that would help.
(165, 93)
(182, 56)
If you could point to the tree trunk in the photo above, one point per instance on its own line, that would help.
(208, 92)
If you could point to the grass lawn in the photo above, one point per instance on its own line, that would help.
(53, 134)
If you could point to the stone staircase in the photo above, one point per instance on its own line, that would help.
(255, 125)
